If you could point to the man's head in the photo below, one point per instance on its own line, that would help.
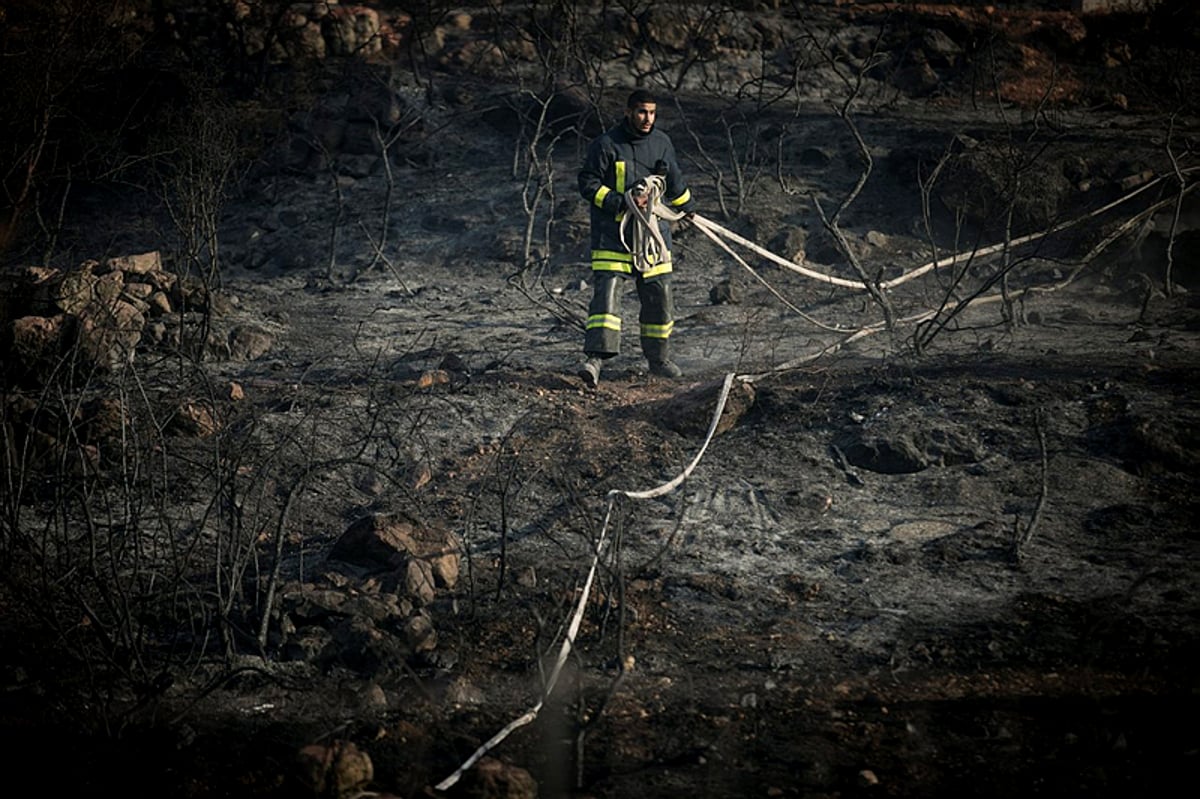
(641, 110)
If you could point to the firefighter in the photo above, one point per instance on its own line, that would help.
(617, 161)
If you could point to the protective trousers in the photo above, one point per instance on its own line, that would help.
(656, 317)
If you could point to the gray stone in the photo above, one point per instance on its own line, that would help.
(248, 343)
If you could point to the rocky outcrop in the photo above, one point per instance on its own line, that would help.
(74, 328)
(371, 611)
(97, 316)
(90, 318)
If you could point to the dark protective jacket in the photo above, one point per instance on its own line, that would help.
(615, 161)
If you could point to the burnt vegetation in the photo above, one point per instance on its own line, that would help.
(283, 514)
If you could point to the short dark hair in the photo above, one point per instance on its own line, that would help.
(639, 97)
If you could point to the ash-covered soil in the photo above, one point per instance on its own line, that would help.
(964, 571)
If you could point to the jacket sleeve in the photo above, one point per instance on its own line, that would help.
(597, 163)
(679, 196)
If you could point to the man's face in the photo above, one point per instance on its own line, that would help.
(641, 117)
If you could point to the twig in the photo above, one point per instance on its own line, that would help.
(1022, 539)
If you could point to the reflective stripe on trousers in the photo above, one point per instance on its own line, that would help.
(656, 316)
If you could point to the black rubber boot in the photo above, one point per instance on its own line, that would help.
(658, 355)
(590, 372)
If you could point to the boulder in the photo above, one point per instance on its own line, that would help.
(34, 345)
(336, 769)
(494, 779)
(248, 343)
(108, 334)
(389, 542)
(690, 412)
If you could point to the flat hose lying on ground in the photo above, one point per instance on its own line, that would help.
(585, 594)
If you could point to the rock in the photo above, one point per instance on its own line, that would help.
(161, 280)
(418, 581)
(248, 343)
(372, 698)
(160, 304)
(76, 290)
(291, 217)
(526, 577)
(822, 248)
(362, 647)
(453, 362)
(306, 645)
(351, 30)
(420, 634)
(109, 335)
(979, 180)
(388, 542)
(155, 333)
(189, 294)
(690, 412)
(34, 344)
(326, 133)
(138, 291)
(140, 264)
(110, 288)
(104, 420)
(790, 243)
(308, 604)
(307, 41)
(1160, 444)
(337, 769)
(725, 292)
(917, 80)
(462, 691)
(876, 239)
(193, 419)
(494, 779)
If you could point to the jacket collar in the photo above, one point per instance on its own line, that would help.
(633, 133)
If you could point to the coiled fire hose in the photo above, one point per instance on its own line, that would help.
(647, 246)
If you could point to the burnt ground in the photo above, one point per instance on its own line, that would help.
(792, 618)
(965, 572)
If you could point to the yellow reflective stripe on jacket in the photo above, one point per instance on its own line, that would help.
(604, 320)
(683, 198)
(620, 168)
(612, 261)
(657, 331)
(601, 193)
